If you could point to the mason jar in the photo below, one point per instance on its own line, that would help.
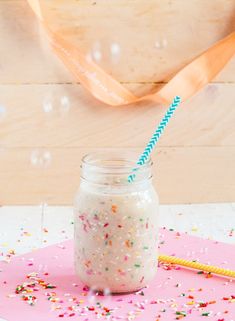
(116, 223)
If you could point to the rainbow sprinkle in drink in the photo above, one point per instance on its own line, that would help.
(116, 224)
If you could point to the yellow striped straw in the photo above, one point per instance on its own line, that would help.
(196, 265)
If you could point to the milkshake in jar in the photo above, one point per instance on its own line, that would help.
(116, 223)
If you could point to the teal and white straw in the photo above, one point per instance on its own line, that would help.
(157, 134)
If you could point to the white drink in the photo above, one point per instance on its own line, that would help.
(116, 236)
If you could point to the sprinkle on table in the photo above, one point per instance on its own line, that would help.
(206, 314)
(128, 243)
(66, 306)
(114, 209)
(180, 314)
(200, 272)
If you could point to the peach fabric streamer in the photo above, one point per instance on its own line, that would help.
(105, 88)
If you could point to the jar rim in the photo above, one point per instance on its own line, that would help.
(109, 160)
(114, 167)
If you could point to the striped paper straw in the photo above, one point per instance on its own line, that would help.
(157, 134)
(196, 265)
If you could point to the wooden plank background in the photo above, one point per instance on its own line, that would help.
(47, 121)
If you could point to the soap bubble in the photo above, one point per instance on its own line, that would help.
(40, 158)
(106, 296)
(107, 292)
(3, 112)
(95, 295)
(52, 105)
(47, 105)
(64, 104)
(95, 54)
(42, 268)
(161, 43)
(115, 50)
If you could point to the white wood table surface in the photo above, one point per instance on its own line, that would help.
(26, 228)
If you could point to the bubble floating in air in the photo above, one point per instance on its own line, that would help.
(92, 295)
(96, 54)
(3, 112)
(115, 51)
(42, 268)
(106, 296)
(40, 158)
(161, 43)
(95, 295)
(64, 104)
(47, 105)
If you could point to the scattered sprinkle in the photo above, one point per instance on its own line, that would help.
(206, 314)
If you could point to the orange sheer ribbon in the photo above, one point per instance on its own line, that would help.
(105, 88)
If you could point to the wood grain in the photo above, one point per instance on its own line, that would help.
(207, 120)
(182, 29)
(182, 175)
(45, 117)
